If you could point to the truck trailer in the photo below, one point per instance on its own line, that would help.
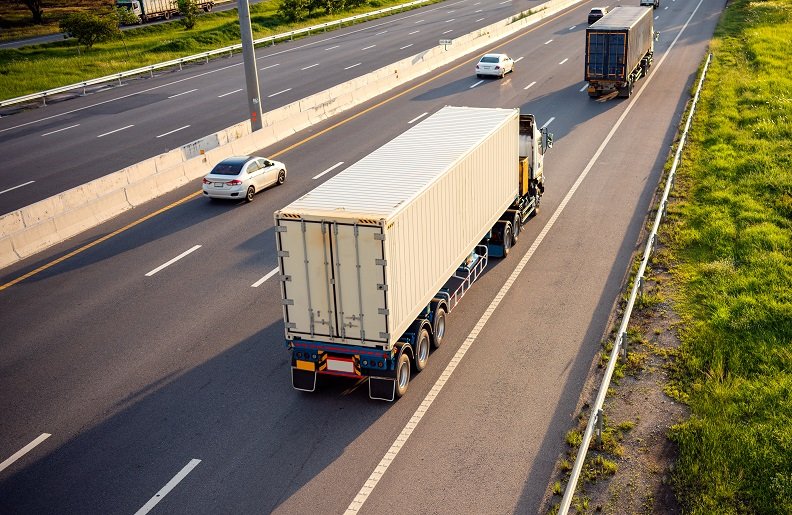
(147, 10)
(619, 50)
(372, 261)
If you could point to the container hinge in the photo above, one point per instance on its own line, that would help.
(283, 253)
(382, 287)
(291, 325)
(285, 278)
(287, 302)
(384, 336)
(381, 262)
(379, 236)
(383, 311)
(280, 228)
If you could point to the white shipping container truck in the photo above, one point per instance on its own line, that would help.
(370, 260)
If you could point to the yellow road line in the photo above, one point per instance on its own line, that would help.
(276, 154)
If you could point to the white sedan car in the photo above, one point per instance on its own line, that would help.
(242, 177)
(494, 64)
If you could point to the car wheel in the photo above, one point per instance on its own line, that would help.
(249, 195)
(281, 176)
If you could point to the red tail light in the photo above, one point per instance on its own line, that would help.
(477, 67)
(497, 67)
(206, 182)
(235, 182)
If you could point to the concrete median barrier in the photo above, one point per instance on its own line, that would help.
(55, 219)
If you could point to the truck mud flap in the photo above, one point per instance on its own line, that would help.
(303, 380)
(382, 389)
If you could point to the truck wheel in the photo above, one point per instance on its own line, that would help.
(249, 195)
(438, 328)
(422, 346)
(516, 226)
(167, 15)
(402, 375)
(508, 236)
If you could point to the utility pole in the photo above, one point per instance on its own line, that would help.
(249, 58)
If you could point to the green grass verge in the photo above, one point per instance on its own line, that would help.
(730, 233)
(31, 69)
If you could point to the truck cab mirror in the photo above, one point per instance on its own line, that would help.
(548, 139)
(656, 36)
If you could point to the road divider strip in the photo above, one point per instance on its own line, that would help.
(29, 230)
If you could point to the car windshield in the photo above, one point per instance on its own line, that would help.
(227, 169)
(489, 59)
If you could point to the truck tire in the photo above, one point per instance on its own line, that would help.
(167, 15)
(423, 345)
(402, 375)
(516, 226)
(508, 238)
(438, 326)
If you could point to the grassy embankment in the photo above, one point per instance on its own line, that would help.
(31, 69)
(730, 237)
(16, 20)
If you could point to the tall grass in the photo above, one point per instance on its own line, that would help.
(731, 236)
(31, 69)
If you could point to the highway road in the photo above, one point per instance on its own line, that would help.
(70, 143)
(166, 389)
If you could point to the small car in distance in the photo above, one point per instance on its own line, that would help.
(494, 64)
(241, 177)
(596, 13)
(654, 4)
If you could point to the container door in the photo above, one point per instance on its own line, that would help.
(304, 251)
(360, 293)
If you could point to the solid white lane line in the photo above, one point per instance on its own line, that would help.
(15, 187)
(572, 27)
(548, 122)
(413, 32)
(383, 32)
(519, 59)
(184, 93)
(111, 132)
(169, 263)
(446, 32)
(261, 281)
(332, 47)
(417, 118)
(565, 60)
(476, 84)
(167, 488)
(348, 67)
(308, 67)
(329, 169)
(422, 409)
(584, 88)
(370, 46)
(63, 129)
(406, 46)
(529, 85)
(279, 92)
(548, 41)
(174, 130)
(229, 93)
(481, 19)
(24, 450)
(268, 67)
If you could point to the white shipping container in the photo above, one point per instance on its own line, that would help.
(362, 254)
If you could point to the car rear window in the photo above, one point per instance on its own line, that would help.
(489, 59)
(227, 169)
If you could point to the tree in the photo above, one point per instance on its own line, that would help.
(35, 7)
(126, 16)
(189, 11)
(293, 10)
(88, 28)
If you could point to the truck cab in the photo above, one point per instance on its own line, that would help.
(654, 4)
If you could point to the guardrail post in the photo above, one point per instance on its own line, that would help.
(151, 72)
(84, 93)
(43, 100)
(599, 427)
(180, 65)
(640, 286)
(623, 342)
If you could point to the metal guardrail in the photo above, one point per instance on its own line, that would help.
(595, 422)
(202, 56)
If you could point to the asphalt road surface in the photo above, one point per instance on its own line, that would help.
(167, 389)
(49, 150)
